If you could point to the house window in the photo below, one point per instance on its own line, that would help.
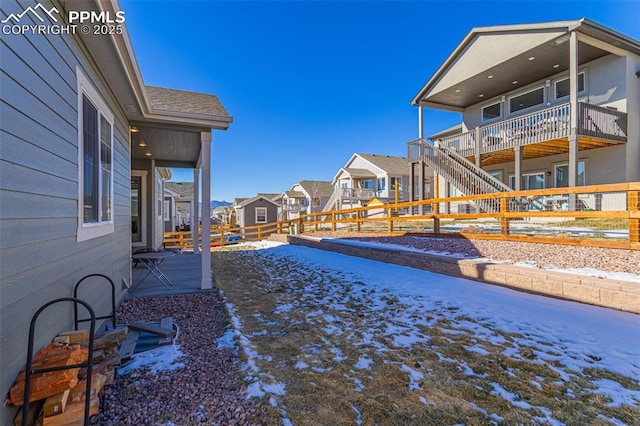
(158, 195)
(497, 175)
(396, 182)
(261, 215)
(529, 181)
(367, 184)
(526, 100)
(562, 175)
(561, 87)
(382, 184)
(491, 111)
(95, 163)
(167, 210)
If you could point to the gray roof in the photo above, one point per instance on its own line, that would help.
(161, 98)
(390, 164)
(183, 189)
(265, 197)
(453, 130)
(295, 194)
(238, 201)
(359, 172)
(317, 188)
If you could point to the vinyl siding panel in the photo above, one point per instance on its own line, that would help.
(41, 258)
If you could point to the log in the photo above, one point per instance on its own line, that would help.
(73, 415)
(78, 393)
(128, 346)
(56, 404)
(110, 338)
(76, 336)
(32, 415)
(153, 329)
(48, 384)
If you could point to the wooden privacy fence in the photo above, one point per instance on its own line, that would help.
(596, 215)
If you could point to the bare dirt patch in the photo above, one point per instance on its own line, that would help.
(339, 351)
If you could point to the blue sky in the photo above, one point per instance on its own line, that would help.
(310, 83)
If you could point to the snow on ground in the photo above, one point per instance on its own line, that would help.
(402, 301)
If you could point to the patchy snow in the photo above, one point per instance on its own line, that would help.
(401, 302)
(227, 340)
(158, 359)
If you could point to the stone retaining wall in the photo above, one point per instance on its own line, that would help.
(620, 295)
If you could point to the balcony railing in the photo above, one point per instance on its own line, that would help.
(547, 124)
(357, 193)
(293, 208)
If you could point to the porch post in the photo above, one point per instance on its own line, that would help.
(573, 127)
(410, 189)
(478, 136)
(517, 150)
(420, 123)
(205, 161)
(421, 187)
(194, 216)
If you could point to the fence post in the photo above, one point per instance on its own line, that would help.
(300, 225)
(259, 232)
(357, 220)
(390, 224)
(633, 206)
(504, 221)
(436, 220)
(181, 240)
(333, 221)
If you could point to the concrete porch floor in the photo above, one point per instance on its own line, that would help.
(183, 269)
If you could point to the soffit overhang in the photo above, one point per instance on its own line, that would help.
(172, 136)
(514, 56)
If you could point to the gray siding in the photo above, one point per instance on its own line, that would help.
(249, 212)
(41, 259)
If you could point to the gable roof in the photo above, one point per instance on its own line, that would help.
(248, 201)
(317, 188)
(514, 56)
(161, 98)
(183, 189)
(390, 164)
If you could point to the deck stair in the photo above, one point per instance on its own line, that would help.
(463, 174)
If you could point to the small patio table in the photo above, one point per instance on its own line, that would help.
(152, 261)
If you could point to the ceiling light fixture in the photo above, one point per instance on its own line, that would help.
(556, 66)
(148, 154)
(457, 90)
(480, 95)
(134, 129)
(531, 58)
(142, 143)
(490, 76)
(514, 82)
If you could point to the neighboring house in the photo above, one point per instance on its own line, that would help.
(307, 196)
(169, 211)
(81, 134)
(543, 106)
(368, 176)
(258, 210)
(222, 214)
(184, 203)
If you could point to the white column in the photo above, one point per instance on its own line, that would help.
(205, 161)
(573, 128)
(420, 123)
(195, 220)
(518, 164)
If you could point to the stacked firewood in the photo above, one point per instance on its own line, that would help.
(58, 397)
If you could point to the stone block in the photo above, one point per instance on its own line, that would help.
(582, 293)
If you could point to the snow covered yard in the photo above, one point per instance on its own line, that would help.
(333, 339)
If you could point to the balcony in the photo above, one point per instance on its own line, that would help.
(540, 133)
(293, 208)
(356, 193)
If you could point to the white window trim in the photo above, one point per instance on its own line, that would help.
(142, 198)
(166, 210)
(566, 77)
(499, 117)
(541, 172)
(88, 231)
(556, 165)
(265, 214)
(494, 172)
(524, 92)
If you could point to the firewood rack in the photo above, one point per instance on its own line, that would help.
(29, 371)
(113, 302)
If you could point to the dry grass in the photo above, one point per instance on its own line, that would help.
(327, 339)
